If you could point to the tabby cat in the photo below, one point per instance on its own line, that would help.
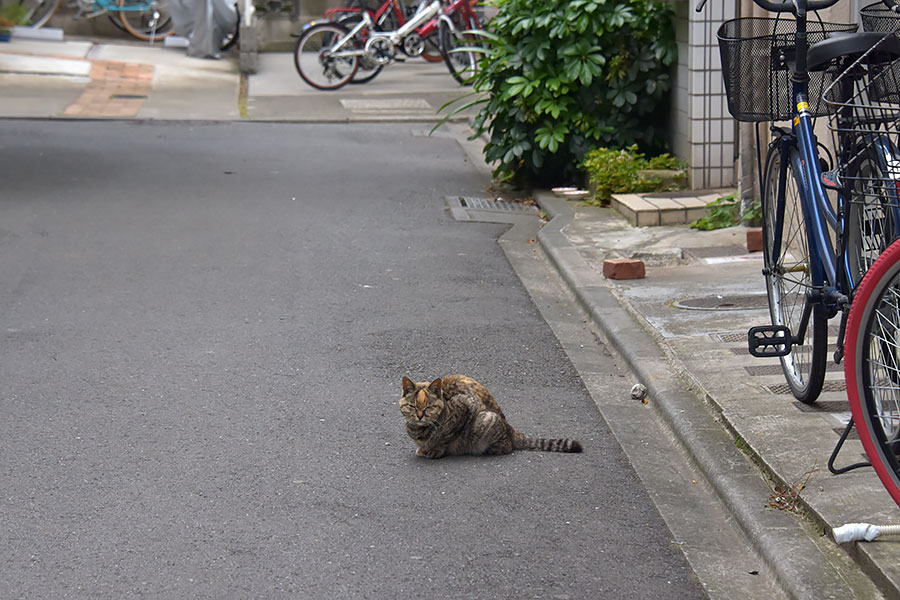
(457, 415)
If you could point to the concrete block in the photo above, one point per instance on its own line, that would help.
(674, 216)
(249, 62)
(249, 37)
(623, 268)
(754, 239)
(647, 218)
(696, 213)
(625, 211)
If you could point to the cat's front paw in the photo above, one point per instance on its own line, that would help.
(434, 453)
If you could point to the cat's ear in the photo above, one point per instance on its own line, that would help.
(408, 386)
(436, 386)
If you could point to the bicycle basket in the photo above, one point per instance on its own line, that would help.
(864, 102)
(755, 55)
(878, 17)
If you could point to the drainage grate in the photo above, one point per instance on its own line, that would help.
(471, 208)
(731, 337)
(830, 386)
(763, 370)
(824, 406)
(724, 302)
(853, 435)
(831, 349)
(495, 205)
(128, 97)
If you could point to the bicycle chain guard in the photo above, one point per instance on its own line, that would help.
(413, 45)
(380, 48)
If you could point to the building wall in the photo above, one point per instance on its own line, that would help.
(703, 133)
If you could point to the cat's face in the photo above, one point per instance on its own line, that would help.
(421, 402)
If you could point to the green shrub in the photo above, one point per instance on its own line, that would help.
(726, 212)
(12, 14)
(618, 171)
(566, 76)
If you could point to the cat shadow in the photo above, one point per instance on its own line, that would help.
(417, 460)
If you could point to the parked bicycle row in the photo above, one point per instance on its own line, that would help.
(146, 20)
(831, 217)
(353, 44)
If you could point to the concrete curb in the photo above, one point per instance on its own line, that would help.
(784, 543)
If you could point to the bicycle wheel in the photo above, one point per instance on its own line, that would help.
(788, 278)
(151, 24)
(316, 63)
(462, 64)
(39, 12)
(869, 226)
(872, 366)
(368, 69)
(232, 37)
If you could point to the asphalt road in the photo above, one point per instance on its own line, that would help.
(203, 328)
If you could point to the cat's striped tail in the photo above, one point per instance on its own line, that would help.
(522, 441)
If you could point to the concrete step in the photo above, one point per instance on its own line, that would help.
(673, 208)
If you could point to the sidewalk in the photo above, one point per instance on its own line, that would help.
(120, 79)
(701, 294)
(682, 328)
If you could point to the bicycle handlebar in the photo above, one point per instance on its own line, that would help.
(798, 7)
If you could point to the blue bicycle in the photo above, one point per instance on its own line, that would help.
(830, 224)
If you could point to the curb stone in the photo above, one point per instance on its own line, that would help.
(802, 568)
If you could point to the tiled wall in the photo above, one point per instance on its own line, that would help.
(703, 132)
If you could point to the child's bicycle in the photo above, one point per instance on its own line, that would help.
(828, 223)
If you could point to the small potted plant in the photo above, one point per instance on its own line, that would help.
(11, 15)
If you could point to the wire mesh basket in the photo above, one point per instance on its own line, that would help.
(756, 54)
(878, 17)
(864, 107)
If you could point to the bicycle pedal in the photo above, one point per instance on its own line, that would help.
(831, 180)
(768, 341)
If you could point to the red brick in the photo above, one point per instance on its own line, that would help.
(754, 239)
(623, 268)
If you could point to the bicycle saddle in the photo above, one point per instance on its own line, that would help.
(853, 45)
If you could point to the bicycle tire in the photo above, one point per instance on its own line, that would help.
(432, 51)
(232, 37)
(38, 12)
(149, 25)
(315, 64)
(788, 279)
(462, 64)
(869, 227)
(872, 366)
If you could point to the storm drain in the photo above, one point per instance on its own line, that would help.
(495, 205)
(724, 302)
(466, 208)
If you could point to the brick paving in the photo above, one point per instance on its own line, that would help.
(117, 89)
